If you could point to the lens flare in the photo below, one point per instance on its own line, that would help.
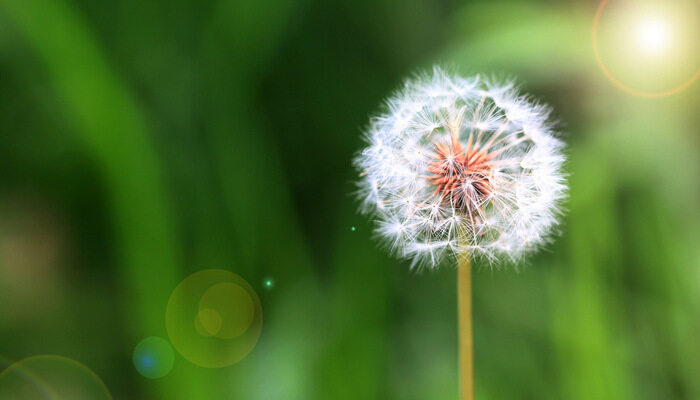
(268, 283)
(153, 357)
(652, 35)
(648, 48)
(214, 318)
(51, 377)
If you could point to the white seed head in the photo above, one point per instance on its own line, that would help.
(461, 165)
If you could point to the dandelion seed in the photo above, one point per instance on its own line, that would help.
(464, 162)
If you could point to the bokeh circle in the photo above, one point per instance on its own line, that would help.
(268, 283)
(606, 71)
(214, 318)
(51, 377)
(153, 357)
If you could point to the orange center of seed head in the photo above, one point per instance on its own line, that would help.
(462, 176)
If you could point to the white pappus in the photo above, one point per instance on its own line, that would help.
(461, 165)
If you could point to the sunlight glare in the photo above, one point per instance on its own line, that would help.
(652, 36)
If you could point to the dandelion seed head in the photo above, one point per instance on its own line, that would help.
(461, 164)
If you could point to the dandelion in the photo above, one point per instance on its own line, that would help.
(461, 167)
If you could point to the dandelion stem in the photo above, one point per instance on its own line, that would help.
(466, 343)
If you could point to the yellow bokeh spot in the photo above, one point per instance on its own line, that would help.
(208, 322)
(214, 318)
(234, 307)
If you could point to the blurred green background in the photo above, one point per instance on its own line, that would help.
(141, 141)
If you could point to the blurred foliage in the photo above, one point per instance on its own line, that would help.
(144, 140)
